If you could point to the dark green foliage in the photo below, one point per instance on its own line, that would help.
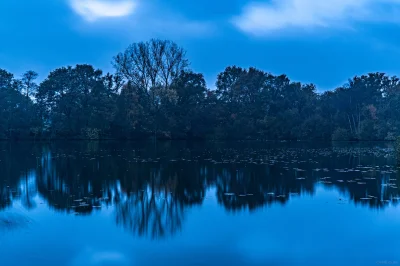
(17, 113)
(154, 94)
(341, 134)
(76, 103)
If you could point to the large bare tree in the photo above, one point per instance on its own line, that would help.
(151, 64)
(151, 67)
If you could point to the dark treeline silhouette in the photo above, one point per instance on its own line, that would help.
(151, 187)
(154, 94)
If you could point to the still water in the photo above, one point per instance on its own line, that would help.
(180, 203)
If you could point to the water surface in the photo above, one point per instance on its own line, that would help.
(181, 203)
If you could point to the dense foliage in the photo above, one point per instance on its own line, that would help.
(154, 93)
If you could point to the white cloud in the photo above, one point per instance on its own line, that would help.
(264, 18)
(151, 20)
(93, 10)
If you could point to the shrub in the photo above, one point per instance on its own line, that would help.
(341, 134)
(90, 133)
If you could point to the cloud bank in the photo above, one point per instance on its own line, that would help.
(92, 10)
(263, 18)
(149, 21)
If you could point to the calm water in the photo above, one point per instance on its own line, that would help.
(179, 203)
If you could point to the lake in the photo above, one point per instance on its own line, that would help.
(199, 203)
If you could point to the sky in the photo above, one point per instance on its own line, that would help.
(324, 42)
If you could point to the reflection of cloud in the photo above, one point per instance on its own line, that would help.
(90, 257)
(94, 9)
(101, 257)
(262, 18)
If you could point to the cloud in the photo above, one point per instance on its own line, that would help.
(275, 15)
(92, 10)
(153, 21)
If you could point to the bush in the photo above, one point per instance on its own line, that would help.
(398, 150)
(90, 133)
(391, 136)
(341, 134)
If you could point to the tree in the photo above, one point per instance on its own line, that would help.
(154, 93)
(17, 114)
(150, 64)
(151, 67)
(186, 117)
(77, 101)
(228, 82)
(132, 114)
(28, 83)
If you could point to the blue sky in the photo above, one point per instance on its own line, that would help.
(320, 41)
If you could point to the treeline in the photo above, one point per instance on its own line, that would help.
(154, 94)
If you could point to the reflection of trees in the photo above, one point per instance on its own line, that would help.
(255, 185)
(14, 159)
(149, 195)
(156, 208)
(149, 214)
(28, 190)
(371, 186)
(152, 186)
(67, 181)
(5, 197)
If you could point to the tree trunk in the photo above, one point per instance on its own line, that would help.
(354, 125)
(351, 128)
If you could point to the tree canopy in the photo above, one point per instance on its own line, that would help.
(155, 94)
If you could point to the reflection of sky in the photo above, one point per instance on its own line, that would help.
(322, 225)
(306, 231)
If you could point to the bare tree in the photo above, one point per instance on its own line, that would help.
(151, 67)
(150, 64)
